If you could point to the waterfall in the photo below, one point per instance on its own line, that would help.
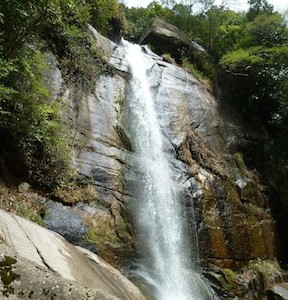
(168, 266)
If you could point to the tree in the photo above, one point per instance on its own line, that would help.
(31, 131)
(257, 7)
(228, 33)
(102, 12)
(266, 30)
(182, 18)
(25, 19)
(168, 3)
(139, 19)
(203, 6)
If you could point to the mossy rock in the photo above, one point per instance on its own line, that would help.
(8, 276)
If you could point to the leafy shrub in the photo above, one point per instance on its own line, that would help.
(203, 78)
(238, 157)
(35, 138)
(102, 12)
(268, 268)
(31, 123)
(27, 204)
(82, 63)
(72, 193)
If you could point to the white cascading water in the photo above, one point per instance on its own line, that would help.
(168, 265)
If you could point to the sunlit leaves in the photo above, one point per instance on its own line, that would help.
(266, 30)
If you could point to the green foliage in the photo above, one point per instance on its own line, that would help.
(29, 214)
(102, 12)
(265, 30)
(32, 122)
(206, 81)
(240, 59)
(81, 62)
(264, 73)
(91, 236)
(139, 19)
(258, 7)
(182, 18)
(6, 68)
(221, 30)
(268, 268)
(228, 32)
(57, 21)
(31, 125)
(238, 157)
(66, 34)
(230, 275)
(23, 20)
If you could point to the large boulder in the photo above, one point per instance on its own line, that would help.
(36, 263)
(166, 37)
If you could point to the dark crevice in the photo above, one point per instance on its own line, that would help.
(42, 258)
(38, 251)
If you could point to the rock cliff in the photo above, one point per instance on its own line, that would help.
(231, 207)
(225, 203)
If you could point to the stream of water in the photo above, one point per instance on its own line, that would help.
(168, 266)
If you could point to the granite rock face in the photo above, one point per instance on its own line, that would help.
(36, 263)
(225, 202)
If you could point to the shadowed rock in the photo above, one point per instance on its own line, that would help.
(168, 38)
(278, 292)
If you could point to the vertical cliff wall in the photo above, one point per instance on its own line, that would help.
(225, 203)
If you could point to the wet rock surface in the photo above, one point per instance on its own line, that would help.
(231, 208)
(224, 202)
(261, 279)
(278, 292)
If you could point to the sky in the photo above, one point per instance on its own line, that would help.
(279, 5)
